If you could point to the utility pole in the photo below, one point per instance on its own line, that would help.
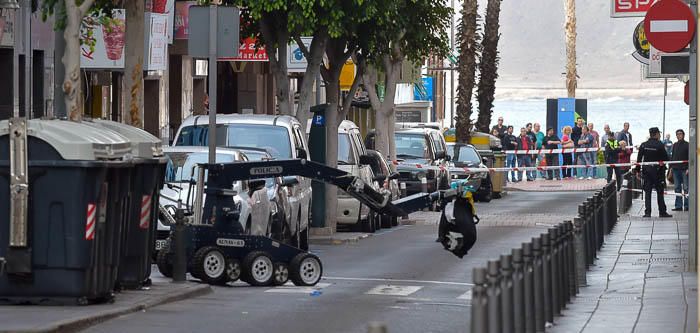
(452, 72)
(28, 55)
(693, 163)
(213, 25)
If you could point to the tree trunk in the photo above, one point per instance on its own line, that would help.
(385, 116)
(332, 123)
(571, 75)
(72, 83)
(468, 31)
(133, 62)
(488, 66)
(315, 58)
(278, 61)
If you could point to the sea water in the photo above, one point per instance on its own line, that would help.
(641, 114)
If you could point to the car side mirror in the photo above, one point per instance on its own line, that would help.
(394, 175)
(365, 160)
(484, 160)
(289, 181)
(379, 178)
(256, 184)
(301, 154)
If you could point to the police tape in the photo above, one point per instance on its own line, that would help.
(556, 151)
(537, 168)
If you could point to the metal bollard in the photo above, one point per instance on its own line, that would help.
(606, 211)
(580, 252)
(529, 271)
(573, 285)
(590, 234)
(564, 268)
(547, 277)
(600, 220)
(556, 299)
(539, 284)
(518, 291)
(584, 232)
(180, 262)
(624, 194)
(507, 293)
(404, 192)
(493, 291)
(424, 185)
(480, 315)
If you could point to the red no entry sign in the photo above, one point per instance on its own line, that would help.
(669, 25)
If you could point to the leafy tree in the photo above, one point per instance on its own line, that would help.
(469, 49)
(402, 30)
(488, 67)
(68, 17)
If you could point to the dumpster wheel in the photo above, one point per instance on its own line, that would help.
(210, 265)
(305, 270)
(281, 274)
(163, 262)
(258, 269)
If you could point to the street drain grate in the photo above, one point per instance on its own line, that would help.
(552, 186)
(663, 259)
(618, 299)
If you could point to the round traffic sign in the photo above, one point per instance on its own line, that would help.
(669, 25)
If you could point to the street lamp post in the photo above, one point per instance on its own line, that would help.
(13, 5)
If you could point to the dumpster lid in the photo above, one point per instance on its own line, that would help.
(76, 141)
(143, 144)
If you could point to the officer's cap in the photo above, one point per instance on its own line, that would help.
(654, 130)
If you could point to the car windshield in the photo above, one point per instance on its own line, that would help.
(274, 139)
(467, 155)
(411, 146)
(180, 165)
(345, 155)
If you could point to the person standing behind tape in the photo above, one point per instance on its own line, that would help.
(653, 176)
(594, 144)
(625, 135)
(624, 157)
(552, 141)
(612, 151)
(567, 158)
(502, 130)
(539, 138)
(525, 160)
(586, 141)
(576, 133)
(679, 152)
(510, 142)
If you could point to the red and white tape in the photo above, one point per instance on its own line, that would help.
(145, 221)
(90, 222)
(555, 151)
(537, 168)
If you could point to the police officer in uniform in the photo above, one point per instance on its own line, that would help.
(653, 175)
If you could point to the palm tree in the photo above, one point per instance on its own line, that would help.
(488, 67)
(570, 28)
(468, 52)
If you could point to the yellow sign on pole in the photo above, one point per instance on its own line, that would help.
(347, 76)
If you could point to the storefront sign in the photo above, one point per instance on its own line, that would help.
(248, 52)
(630, 8)
(163, 7)
(102, 41)
(181, 23)
(296, 61)
(156, 42)
(7, 27)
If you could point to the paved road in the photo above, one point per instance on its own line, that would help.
(400, 277)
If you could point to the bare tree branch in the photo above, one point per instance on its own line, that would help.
(302, 47)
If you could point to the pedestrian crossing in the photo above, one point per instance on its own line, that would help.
(378, 290)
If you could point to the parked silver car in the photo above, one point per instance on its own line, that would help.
(280, 136)
(181, 173)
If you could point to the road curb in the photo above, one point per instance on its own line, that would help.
(332, 240)
(80, 323)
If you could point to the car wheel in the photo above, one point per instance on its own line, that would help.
(281, 274)
(368, 224)
(485, 193)
(258, 268)
(305, 269)
(210, 265)
(233, 269)
(387, 221)
(394, 221)
(165, 266)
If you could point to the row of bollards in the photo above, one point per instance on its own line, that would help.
(525, 290)
(630, 182)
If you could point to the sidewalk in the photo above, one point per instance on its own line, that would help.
(29, 318)
(639, 282)
(567, 185)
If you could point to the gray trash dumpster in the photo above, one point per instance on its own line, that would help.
(139, 224)
(71, 228)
